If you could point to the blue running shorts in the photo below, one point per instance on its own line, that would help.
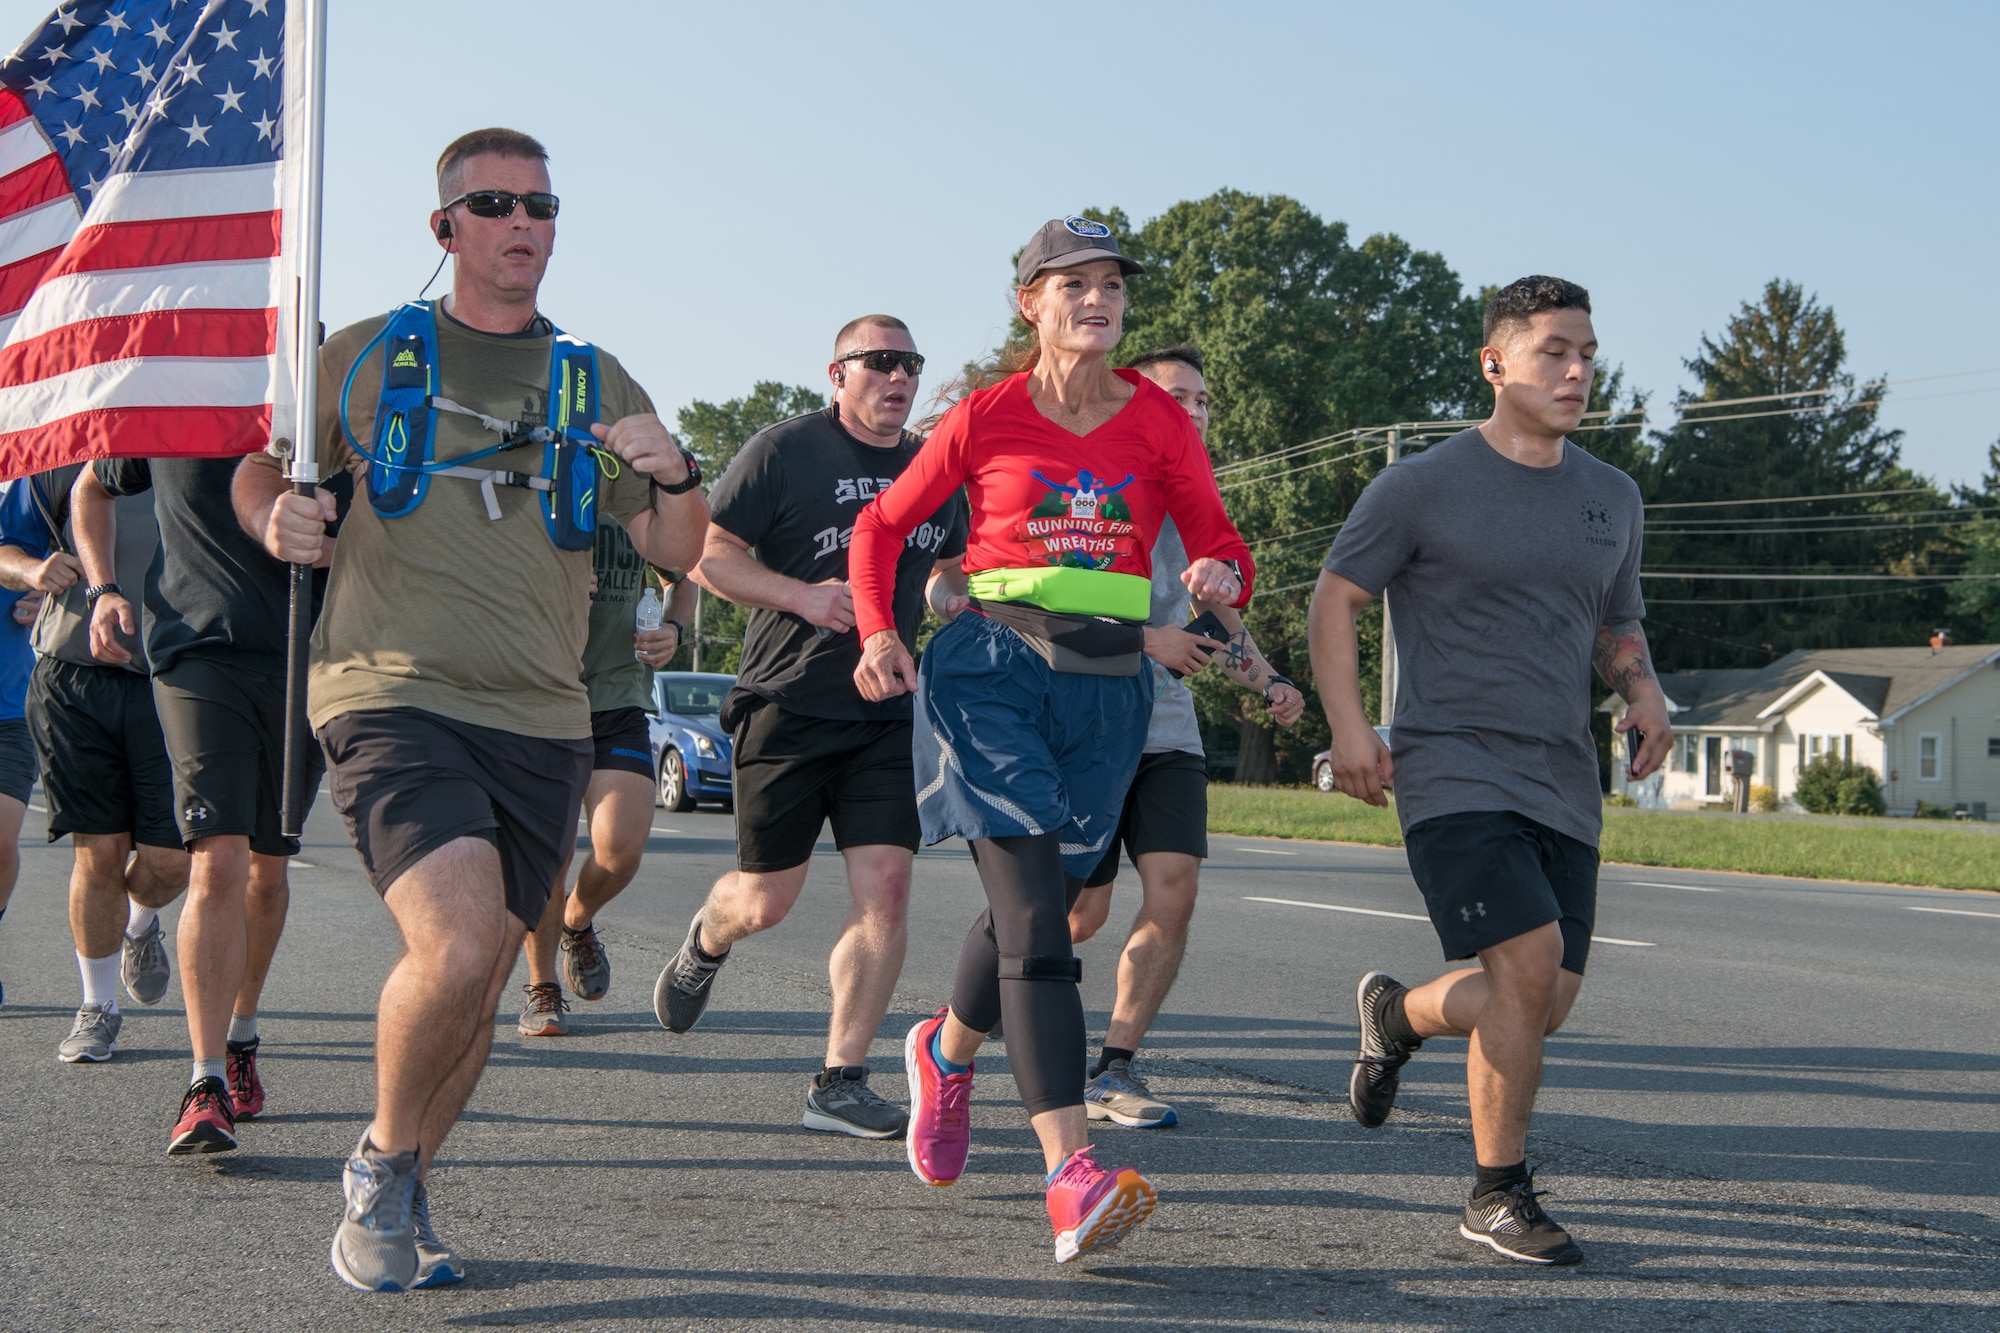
(1007, 748)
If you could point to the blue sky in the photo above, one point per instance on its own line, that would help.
(740, 179)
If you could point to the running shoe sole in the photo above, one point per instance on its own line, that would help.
(447, 1272)
(1124, 1206)
(1098, 1111)
(1572, 1255)
(89, 1057)
(202, 1138)
(913, 1072)
(834, 1124)
(348, 1277)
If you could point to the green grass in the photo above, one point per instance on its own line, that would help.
(1882, 851)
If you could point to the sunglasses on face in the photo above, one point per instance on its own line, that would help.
(500, 204)
(884, 362)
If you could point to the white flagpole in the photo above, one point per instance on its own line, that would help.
(304, 468)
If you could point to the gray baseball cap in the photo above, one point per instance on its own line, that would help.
(1067, 242)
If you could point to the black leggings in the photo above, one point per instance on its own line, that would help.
(1024, 932)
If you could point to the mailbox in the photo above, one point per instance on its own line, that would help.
(1742, 763)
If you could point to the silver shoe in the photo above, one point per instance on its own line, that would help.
(375, 1248)
(93, 1037)
(438, 1265)
(845, 1104)
(1121, 1096)
(145, 969)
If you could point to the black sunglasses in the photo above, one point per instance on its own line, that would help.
(500, 204)
(884, 362)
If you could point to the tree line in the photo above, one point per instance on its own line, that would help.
(1315, 344)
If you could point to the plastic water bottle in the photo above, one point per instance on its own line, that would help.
(652, 613)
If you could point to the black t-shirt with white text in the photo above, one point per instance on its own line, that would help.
(793, 494)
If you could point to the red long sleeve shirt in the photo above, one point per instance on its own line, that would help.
(1042, 495)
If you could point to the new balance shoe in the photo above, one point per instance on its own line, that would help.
(144, 967)
(1371, 1089)
(207, 1121)
(246, 1090)
(940, 1129)
(438, 1265)
(840, 1101)
(375, 1247)
(1510, 1221)
(1121, 1096)
(545, 1013)
(681, 995)
(586, 967)
(1091, 1208)
(93, 1037)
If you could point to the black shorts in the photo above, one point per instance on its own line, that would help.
(225, 730)
(104, 762)
(17, 759)
(622, 741)
(794, 773)
(408, 782)
(1488, 876)
(1166, 810)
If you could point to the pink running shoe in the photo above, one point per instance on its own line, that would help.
(1092, 1208)
(940, 1122)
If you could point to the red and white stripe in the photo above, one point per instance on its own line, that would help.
(148, 326)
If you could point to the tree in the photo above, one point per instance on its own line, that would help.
(715, 432)
(1785, 352)
(1975, 604)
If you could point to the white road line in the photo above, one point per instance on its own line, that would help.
(1955, 911)
(1659, 884)
(1262, 851)
(39, 808)
(1406, 916)
(673, 831)
(1334, 907)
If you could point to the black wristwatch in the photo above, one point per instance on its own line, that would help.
(685, 484)
(680, 630)
(1277, 680)
(97, 590)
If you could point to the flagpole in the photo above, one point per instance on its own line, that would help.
(304, 470)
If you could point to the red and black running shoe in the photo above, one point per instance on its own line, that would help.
(246, 1090)
(207, 1121)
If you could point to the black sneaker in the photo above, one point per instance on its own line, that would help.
(1371, 1090)
(840, 1101)
(1511, 1222)
(681, 994)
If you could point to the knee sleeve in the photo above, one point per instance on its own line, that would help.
(1040, 967)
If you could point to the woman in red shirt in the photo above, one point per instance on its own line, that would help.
(1032, 712)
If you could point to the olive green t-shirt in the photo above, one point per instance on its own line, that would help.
(444, 609)
(612, 675)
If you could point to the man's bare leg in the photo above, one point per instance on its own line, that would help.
(97, 892)
(867, 959)
(620, 807)
(742, 903)
(265, 903)
(1153, 951)
(213, 939)
(448, 1101)
(12, 813)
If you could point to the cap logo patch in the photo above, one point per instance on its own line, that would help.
(1085, 227)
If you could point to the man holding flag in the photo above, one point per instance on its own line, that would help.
(447, 666)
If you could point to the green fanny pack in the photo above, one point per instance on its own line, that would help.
(1067, 590)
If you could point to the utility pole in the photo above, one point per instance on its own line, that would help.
(700, 596)
(1388, 640)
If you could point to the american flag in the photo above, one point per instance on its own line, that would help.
(147, 236)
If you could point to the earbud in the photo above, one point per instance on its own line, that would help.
(840, 377)
(1492, 366)
(444, 229)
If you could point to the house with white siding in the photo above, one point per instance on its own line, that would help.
(1927, 720)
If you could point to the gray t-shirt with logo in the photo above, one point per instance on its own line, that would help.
(1498, 577)
(1174, 726)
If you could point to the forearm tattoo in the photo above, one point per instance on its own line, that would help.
(1242, 662)
(1621, 657)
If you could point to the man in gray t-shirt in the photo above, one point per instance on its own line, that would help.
(1164, 827)
(1510, 559)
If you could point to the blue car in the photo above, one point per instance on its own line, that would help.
(691, 751)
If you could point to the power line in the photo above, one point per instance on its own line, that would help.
(1816, 578)
(1774, 601)
(1791, 499)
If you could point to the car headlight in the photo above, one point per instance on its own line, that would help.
(703, 746)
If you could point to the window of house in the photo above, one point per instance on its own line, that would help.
(1688, 756)
(1927, 757)
(1993, 747)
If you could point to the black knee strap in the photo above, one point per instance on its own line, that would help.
(1043, 967)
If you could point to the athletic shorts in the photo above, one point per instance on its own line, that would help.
(225, 730)
(1007, 748)
(1165, 811)
(408, 782)
(796, 773)
(17, 759)
(1488, 876)
(621, 741)
(104, 762)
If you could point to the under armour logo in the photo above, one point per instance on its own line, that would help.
(197, 812)
(1468, 913)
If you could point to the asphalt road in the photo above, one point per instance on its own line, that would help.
(1773, 1109)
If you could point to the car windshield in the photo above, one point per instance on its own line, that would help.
(696, 698)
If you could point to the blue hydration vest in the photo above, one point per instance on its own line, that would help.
(401, 457)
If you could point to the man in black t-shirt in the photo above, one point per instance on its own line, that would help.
(808, 747)
(215, 639)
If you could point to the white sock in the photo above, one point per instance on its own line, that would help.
(100, 980)
(242, 1029)
(209, 1069)
(140, 920)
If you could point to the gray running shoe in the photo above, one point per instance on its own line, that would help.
(586, 967)
(438, 1265)
(681, 994)
(93, 1037)
(375, 1248)
(840, 1101)
(1121, 1096)
(545, 1013)
(1510, 1220)
(145, 969)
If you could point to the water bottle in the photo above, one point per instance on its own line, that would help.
(652, 613)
